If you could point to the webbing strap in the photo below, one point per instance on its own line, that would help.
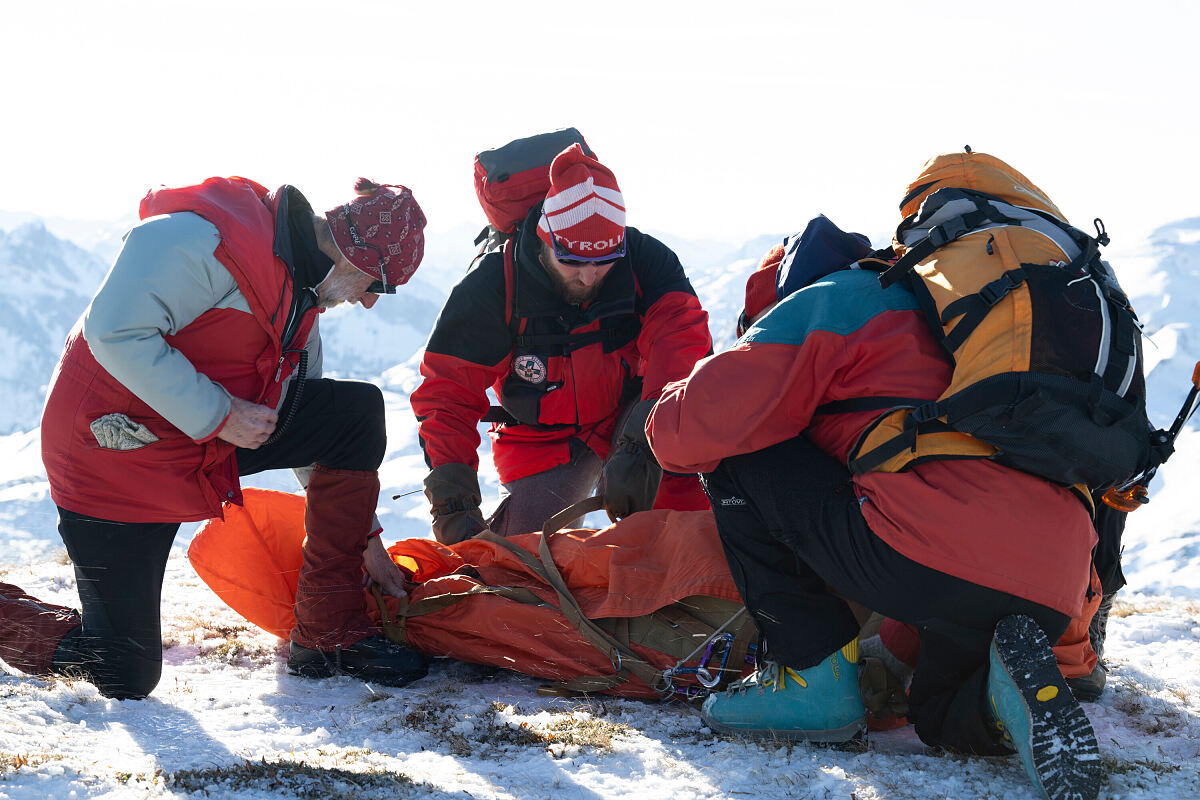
(584, 684)
(571, 341)
(973, 308)
(428, 605)
(923, 419)
(396, 630)
(884, 452)
(938, 236)
(853, 405)
(623, 659)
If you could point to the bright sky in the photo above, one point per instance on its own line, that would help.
(725, 120)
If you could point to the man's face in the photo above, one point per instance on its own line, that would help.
(577, 282)
(345, 284)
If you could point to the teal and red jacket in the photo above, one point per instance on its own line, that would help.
(845, 337)
(194, 310)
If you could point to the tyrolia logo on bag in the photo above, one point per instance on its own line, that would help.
(530, 368)
(732, 501)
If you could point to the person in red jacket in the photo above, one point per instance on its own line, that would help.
(584, 323)
(989, 563)
(198, 360)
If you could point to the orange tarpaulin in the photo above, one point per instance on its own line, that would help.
(630, 569)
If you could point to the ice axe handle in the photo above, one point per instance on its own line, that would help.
(1189, 405)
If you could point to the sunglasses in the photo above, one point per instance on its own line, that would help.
(380, 286)
(569, 259)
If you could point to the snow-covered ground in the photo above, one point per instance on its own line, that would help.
(227, 721)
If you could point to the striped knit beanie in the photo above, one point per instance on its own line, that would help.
(583, 217)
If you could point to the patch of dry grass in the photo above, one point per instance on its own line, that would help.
(1154, 605)
(11, 762)
(290, 777)
(467, 732)
(1111, 765)
(1151, 714)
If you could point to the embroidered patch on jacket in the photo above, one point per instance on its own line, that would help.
(530, 368)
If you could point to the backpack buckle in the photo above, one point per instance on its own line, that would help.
(926, 412)
(948, 231)
(995, 291)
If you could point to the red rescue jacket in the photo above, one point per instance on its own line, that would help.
(644, 328)
(177, 479)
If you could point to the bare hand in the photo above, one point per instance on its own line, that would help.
(248, 424)
(382, 569)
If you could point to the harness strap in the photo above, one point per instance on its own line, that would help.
(396, 630)
(853, 405)
(973, 308)
(922, 419)
(623, 659)
(939, 236)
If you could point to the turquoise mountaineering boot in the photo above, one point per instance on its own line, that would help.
(821, 703)
(1036, 712)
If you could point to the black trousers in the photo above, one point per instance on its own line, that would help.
(1110, 526)
(119, 566)
(792, 528)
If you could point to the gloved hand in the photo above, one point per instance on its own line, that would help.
(454, 497)
(631, 474)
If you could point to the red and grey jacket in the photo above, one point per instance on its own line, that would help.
(195, 309)
(843, 338)
(560, 371)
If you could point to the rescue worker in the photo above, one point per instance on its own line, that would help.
(587, 325)
(197, 361)
(989, 563)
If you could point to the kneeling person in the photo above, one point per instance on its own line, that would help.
(198, 361)
(576, 330)
(989, 563)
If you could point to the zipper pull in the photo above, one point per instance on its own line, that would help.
(279, 369)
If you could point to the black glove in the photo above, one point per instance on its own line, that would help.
(631, 474)
(454, 497)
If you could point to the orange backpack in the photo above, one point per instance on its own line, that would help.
(1046, 348)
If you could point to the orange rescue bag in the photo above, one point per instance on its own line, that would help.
(643, 608)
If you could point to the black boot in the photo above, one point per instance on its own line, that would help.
(1089, 688)
(374, 659)
(1098, 627)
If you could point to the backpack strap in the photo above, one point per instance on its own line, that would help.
(510, 288)
(974, 307)
(498, 414)
(854, 405)
(940, 236)
(922, 419)
(396, 629)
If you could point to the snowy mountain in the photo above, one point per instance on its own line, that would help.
(49, 282)
(102, 238)
(1162, 277)
(227, 721)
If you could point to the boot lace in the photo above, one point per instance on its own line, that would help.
(769, 675)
